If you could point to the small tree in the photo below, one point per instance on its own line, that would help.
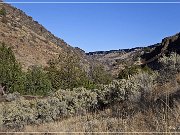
(67, 72)
(11, 75)
(99, 75)
(37, 82)
(127, 72)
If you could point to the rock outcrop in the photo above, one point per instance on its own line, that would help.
(168, 45)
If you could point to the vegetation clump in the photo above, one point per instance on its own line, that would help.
(127, 72)
(11, 75)
(66, 72)
(63, 103)
(34, 82)
(169, 67)
(37, 82)
(3, 11)
(99, 75)
(135, 69)
(3, 14)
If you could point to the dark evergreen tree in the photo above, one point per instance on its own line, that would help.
(37, 82)
(11, 75)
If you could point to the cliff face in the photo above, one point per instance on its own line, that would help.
(31, 43)
(168, 45)
(172, 44)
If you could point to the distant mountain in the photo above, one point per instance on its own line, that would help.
(120, 50)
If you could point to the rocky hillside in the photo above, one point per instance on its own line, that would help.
(31, 43)
(168, 45)
(116, 60)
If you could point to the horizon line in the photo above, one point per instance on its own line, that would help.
(89, 2)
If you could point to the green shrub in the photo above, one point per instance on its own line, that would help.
(37, 82)
(34, 82)
(99, 75)
(128, 71)
(147, 69)
(3, 11)
(66, 72)
(146, 49)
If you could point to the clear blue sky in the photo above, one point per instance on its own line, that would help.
(94, 27)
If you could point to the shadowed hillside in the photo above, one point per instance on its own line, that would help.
(168, 45)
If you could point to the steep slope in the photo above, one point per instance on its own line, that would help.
(168, 45)
(31, 43)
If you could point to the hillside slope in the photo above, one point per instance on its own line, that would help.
(31, 43)
(168, 45)
(116, 60)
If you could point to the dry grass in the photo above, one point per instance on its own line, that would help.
(148, 121)
(162, 118)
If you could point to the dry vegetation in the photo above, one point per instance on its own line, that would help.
(141, 105)
(149, 120)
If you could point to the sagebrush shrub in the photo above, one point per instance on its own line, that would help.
(78, 99)
(17, 114)
(64, 103)
(12, 96)
(170, 66)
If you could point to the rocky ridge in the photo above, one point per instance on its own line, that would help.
(168, 45)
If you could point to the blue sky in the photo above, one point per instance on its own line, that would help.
(95, 27)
